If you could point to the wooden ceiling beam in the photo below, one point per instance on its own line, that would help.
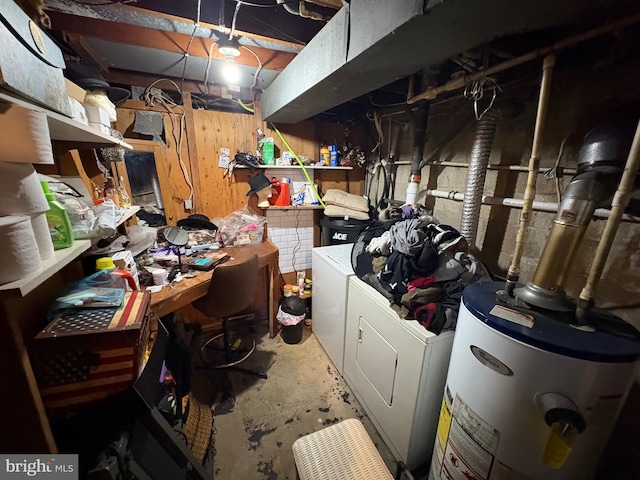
(162, 40)
(125, 77)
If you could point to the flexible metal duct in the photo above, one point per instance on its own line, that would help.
(478, 163)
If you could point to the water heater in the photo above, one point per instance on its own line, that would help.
(529, 395)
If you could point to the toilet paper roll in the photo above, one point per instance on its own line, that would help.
(24, 137)
(18, 257)
(21, 192)
(43, 235)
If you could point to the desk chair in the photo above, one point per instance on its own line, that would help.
(231, 290)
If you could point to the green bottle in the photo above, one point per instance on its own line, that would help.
(58, 220)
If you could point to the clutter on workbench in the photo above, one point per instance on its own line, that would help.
(242, 227)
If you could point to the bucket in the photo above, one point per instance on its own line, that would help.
(337, 230)
(292, 334)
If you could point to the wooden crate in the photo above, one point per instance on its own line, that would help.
(86, 355)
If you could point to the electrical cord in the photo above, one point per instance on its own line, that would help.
(150, 97)
(257, 72)
(263, 5)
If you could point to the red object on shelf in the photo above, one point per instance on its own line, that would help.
(275, 185)
(282, 197)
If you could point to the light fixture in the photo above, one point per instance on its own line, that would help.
(230, 48)
(230, 72)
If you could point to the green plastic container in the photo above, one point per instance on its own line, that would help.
(268, 152)
(58, 220)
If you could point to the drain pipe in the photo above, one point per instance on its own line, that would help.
(619, 204)
(419, 123)
(513, 275)
(478, 164)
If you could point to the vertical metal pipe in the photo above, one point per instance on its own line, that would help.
(478, 163)
(513, 275)
(620, 202)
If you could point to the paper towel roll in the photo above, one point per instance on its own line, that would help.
(43, 235)
(24, 137)
(18, 257)
(21, 192)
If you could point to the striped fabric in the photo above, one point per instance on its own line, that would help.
(86, 355)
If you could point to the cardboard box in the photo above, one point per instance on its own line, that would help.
(97, 115)
(86, 355)
(124, 261)
(75, 91)
(98, 126)
(31, 64)
(78, 112)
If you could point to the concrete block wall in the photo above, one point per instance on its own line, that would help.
(578, 103)
(291, 230)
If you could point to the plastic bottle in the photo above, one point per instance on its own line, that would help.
(123, 196)
(58, 220)
(120, 278)
(333, 155)
(324, 155)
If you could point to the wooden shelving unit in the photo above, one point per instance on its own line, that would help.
(296, 167)
(66, 129)
(51, 266)
(60, 259)
(294, 207)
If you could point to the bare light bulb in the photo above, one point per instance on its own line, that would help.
(230, 73)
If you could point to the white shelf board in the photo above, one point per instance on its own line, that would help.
(130, 212)
(60, 259)
(289, 167)
(65, 128)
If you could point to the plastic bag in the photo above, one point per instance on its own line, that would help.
(242, 227)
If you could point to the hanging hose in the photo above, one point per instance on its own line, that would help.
(619, 204)
(478, 164)
(513, 275)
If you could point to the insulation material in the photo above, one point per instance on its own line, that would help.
(149, 123)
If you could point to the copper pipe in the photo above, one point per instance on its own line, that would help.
(513, 275)
(550, 207)
(432, 92)
(619, 204)
(513, 168)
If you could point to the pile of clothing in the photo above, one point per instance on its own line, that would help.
(419, 265)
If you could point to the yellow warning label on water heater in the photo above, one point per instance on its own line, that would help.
(444, 422)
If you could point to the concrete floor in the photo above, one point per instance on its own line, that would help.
(256, 421)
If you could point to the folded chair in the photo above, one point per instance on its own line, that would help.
(231, 291)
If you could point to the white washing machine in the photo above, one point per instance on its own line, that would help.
(331, 270)
(396, 369)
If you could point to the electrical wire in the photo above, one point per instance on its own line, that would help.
(245, 106)
(263, 5)
(193, 33)
(233, 22)
(150, 97)
(255, 75)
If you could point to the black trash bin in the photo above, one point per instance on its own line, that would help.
(292, 334)
(295, 306)
(338, 230)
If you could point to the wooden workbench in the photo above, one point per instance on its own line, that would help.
(169, 300)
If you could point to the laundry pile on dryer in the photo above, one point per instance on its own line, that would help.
(418, 264)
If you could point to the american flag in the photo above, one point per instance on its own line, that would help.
(86, 355)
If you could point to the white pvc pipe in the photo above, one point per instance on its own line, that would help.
(519, 203)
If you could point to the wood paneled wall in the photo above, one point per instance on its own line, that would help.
(216, 195)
